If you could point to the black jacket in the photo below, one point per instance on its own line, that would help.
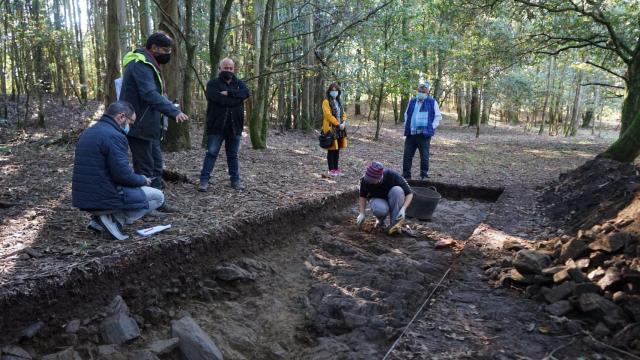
(223, 109)
(142, 87)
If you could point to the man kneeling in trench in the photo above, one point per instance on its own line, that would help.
(388, 193)
(104, 183)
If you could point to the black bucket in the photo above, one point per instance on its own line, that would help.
(424, 203)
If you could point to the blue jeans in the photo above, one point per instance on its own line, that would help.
(411, 144)
(231, 147)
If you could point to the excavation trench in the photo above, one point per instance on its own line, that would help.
(301, 283)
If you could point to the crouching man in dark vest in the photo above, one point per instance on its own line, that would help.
(104, 183)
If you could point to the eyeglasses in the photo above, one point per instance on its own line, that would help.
(128, 118)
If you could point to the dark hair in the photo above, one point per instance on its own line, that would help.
(334, 85)
(120, 107)
(160, 39)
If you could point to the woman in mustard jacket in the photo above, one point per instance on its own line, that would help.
(334, 119)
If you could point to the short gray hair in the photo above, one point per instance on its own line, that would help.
(118, 107)
(424, 85)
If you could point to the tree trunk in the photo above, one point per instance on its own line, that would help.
(550, 65)
(113, 52)
(474, 117)
(576, 106)
(39, 64)
(80, 50)
(404, 101)
(486, 107)
(270, 12)
(95, 18)
(123, 34)
(627, 147)
(631, 103)
(216, 54)
(191, 49)
(467, 103)
(177, 136)
(257, 122)
(598, 111)
(460, 105)
(3, 66)
(145, 19)
(307, 88)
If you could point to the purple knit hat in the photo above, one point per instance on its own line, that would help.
(373, 174)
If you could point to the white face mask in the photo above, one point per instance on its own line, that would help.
(421, 96)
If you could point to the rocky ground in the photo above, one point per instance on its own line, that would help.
(318, 288)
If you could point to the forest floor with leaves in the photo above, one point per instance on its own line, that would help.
(44, 239)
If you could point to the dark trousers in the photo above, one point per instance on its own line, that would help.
(411, 144)
(332, 159)
(147, 159)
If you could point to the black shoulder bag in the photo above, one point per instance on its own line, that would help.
(326, 139)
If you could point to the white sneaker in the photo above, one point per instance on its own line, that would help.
(339, 172)
(112, 227)
(95, 225)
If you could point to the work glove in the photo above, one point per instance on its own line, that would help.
(360, 219)
(400, 215)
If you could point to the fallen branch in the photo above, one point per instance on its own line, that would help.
(611, 347)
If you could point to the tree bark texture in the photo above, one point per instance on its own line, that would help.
(177, 136)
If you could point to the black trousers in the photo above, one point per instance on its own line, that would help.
(332, 159)
(147, 159)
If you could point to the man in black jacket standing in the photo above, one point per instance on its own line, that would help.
(225, 119)
(143, 87)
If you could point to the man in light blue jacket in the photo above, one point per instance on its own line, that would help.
(421, 119)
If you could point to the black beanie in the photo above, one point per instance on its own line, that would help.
(159, 39)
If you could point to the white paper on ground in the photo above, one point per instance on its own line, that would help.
(153, 230)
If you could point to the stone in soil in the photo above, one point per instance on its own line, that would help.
(511, 245)
(194, 344)
(233, 273)
(13, 352)
(597, 258)
(610, 243)
(576, 275)
(142, 355)
(68, 354)
(573, 249)
(586, 288)
(162, 347)
(118, 329)
(32, 330)
(73, 326)
(559, 308)
(602, 309)
(117, 306)
(531, 262)
(610, 279)
(559, 292)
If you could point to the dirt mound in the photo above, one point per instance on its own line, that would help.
(592, 272)
(590, 194)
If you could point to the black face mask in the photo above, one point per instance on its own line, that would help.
(163, 58)
(226, 75)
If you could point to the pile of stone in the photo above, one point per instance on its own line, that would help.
(594, 275)
(118, 337)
